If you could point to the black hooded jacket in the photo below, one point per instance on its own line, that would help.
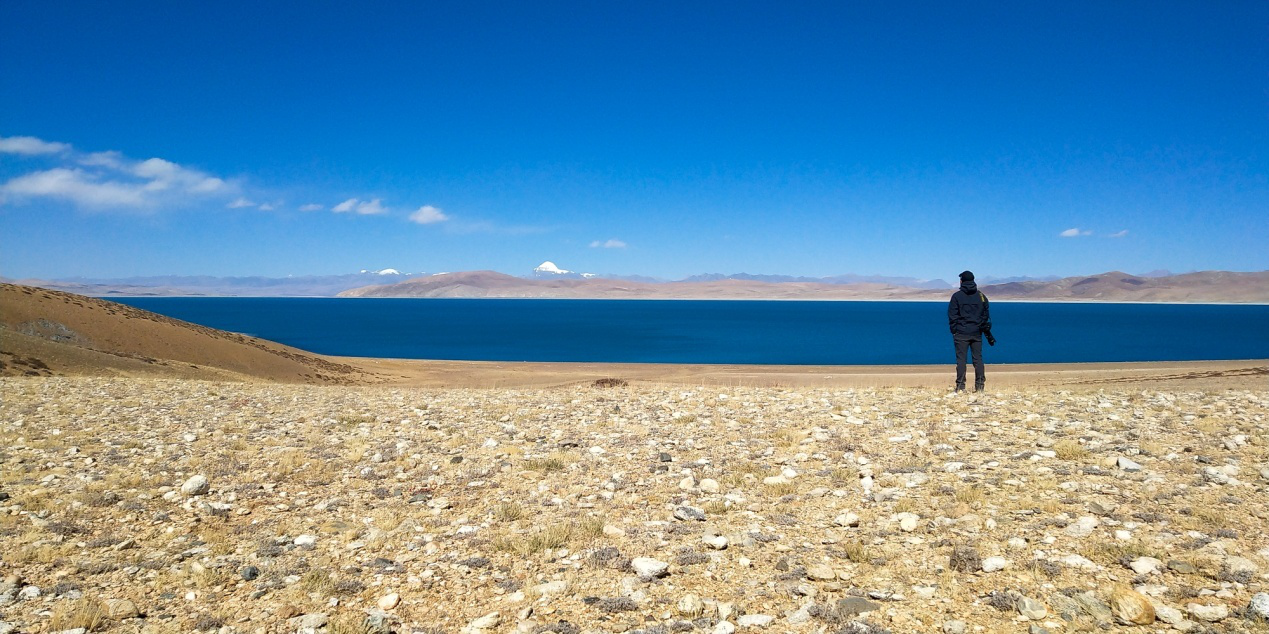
(968, 312)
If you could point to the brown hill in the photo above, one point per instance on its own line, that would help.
(1208, 286)
(50, 332)
(1116, 286)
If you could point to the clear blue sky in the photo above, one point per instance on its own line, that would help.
(656, 138)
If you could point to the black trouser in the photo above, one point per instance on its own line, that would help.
(975, 344)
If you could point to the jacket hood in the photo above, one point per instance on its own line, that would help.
(969, 287)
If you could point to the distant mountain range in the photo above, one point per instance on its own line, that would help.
(205, 285)
(551, 281)
(1115, 286)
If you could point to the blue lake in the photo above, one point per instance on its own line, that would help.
(757, 332)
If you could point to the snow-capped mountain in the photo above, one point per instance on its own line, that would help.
(549, 271)
(383, 272)
(548, 267)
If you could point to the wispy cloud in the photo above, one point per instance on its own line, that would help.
(239, 203)
(1118, 234)
(1076, 232)
(608, 244)
(361, 207)
(427, 215)
(30, 146)
(312, 207)
(108, 180)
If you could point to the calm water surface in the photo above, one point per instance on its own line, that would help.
(762, 332)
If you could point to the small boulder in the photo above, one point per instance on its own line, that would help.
(1131, 608)
(119, 609)
(196, 485)
(1259, 606)
(993, 564)
(649, 568)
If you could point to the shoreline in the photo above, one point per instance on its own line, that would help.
(706, 299)
(1231, 374)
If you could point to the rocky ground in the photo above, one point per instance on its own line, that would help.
(173, 506)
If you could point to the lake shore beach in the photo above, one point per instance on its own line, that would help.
(687, 500)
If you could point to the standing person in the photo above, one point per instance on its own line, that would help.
(969, 318)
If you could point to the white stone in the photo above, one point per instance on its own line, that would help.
(755, 620)
(1145, 565)
(709, 485)
(1083, 527)
(1209, 613)
(305, 540)
(1241, 564)
(389, 601)
(691, 606)
(1259, 605)
(1127, 465)
(723, 627)
(908, 521)
(717, 542)
(559, 586)
(488, 621)
(847, 519)
(196, 485)
(649, 567)
(1167, 613)
(820, 572)
(993, 564)
(1215, 475)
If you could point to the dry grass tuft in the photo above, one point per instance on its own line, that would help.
(509, 512)
(1070, 449)
(553, 536)
(856, 552)
(972, 495)
(85, 613)
(553, 462)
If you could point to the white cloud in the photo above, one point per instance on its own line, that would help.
(76, 186)
(108, 180)
(1075, 232)
(29, 146)
(427, 215)
(240, 203)
(608, 244)
(362, 207)
(107, 159)
(267, 207)
(312, 207)
(1118, 234)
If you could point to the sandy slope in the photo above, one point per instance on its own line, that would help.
(51, 332)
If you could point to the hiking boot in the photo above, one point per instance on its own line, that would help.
(960, 387)
(978, 388)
